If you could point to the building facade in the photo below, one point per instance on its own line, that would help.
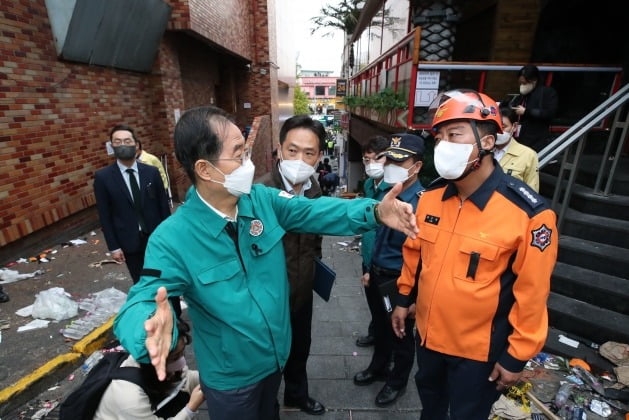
(56, 110)
(320, 87)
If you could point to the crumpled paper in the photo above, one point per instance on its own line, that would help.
(622, 374)
(34, 325)
(506, 408)
(617, 353)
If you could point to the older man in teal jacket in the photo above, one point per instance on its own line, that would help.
(222, 250)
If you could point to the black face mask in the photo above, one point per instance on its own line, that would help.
(124, 152)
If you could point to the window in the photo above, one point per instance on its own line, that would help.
(332, 91)
(319, 90)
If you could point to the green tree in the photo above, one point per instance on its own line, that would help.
(344, 16)
(300, 101)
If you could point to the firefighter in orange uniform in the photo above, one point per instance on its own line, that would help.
(486, 248)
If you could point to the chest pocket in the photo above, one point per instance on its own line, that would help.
(476, 261)
(220, 272)
(264, 243)
(428, 235)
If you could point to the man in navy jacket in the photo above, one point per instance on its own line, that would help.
(131, 201)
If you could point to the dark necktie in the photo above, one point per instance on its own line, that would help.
(231, 230)
(137, 201)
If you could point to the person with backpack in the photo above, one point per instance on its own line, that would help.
(177, 397)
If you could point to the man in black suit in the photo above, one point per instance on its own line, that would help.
(131, 201)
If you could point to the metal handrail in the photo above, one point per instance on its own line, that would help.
(568, 137)
(577, 134)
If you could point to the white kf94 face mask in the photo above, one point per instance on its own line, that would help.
(296, 171)
(374, 170)
(451, 159)
(503, 138)
(394, 174)
(238, 182)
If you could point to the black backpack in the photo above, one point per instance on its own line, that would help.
(83, 402)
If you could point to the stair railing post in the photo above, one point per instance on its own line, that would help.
(566, 138)
(571, 167)
(621, 142)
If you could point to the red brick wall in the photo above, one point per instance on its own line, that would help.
(55, 116)
(169, 97)
(223, 22)
(54, 119)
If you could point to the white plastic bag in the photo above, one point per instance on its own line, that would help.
(54, 304)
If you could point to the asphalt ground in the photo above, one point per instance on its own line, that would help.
(29, 359)
(40, 367)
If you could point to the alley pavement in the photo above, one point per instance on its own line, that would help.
(334, 360)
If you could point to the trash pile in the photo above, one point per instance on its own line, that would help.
(56, 304)
(100, 307)
(44, 256)
(558, 388)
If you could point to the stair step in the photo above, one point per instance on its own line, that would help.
(588, 171)
(583, 199)
(583, 351)
(596, 228)
(586, 320)
(608, 259)
(597, 288)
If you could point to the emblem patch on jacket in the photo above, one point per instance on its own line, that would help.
(256, 227)
(541, 237)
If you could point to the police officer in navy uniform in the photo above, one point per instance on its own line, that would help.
(403, 163)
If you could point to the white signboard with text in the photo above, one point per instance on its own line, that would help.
(426, 88)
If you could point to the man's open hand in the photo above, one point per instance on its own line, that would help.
(397, 214)
(159, 333)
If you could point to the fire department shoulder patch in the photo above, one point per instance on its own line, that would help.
(540, 238)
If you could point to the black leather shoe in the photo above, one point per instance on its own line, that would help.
(388, 396)
(365, 341)
(310, 406)
(367, 377)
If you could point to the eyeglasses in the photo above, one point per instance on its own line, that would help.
(126, 142)
(242, 159)
(378, 158)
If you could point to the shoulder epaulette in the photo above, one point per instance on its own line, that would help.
(526, 193)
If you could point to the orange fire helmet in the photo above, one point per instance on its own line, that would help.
(464, 105)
